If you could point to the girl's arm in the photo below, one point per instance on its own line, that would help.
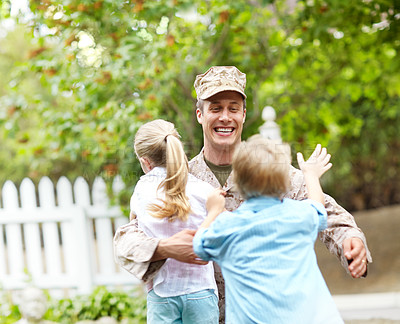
(313, 169)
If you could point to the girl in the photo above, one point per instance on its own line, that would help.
(166, 200)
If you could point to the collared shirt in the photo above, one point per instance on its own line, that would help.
(174, 278)
(265, 249)
(133, 249)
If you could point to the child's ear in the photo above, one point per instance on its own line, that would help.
(145, 164)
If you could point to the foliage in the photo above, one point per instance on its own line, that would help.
(9, 313)
(80, 87)
(342, 87)
(130, 307)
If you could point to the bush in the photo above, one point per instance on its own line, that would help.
(9, 313)
(130, 307)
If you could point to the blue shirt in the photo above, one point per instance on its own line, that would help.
(266, 253)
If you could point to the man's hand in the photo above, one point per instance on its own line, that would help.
(179, 247)
(132, 216)
(354, 251)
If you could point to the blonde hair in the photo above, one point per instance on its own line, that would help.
(159, 142)
(261, 167)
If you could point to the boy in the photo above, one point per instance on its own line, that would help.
(265, 248)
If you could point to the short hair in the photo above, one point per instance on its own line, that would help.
(261, 167)
(200, 104)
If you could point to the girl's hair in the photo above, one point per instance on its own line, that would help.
(261, 167)
(159, 142)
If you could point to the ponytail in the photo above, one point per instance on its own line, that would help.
(159, 141)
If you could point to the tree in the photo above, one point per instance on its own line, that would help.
(106, 67)
(342, 87)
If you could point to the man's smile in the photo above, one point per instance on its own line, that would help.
(224, 130)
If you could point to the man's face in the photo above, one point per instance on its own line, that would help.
(222, 120)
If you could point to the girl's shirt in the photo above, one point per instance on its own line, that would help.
(174, 278)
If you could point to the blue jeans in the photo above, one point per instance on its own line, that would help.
(196, 308)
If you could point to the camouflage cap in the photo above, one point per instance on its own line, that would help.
(218, 79)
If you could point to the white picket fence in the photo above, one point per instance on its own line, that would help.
(65, 247)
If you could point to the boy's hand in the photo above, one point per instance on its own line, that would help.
(317, 164)
(216, 202)
(215, 205)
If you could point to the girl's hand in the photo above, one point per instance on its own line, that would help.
(216, 202)
(317, 164)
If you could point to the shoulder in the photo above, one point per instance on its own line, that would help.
(306, 206)
(138, 186)
(198, 167)
(200, 184)
(296, 176)
(297, 189)
(226, 222)
(293, 203)
(196, 161)
(198, 190)
(146, 181)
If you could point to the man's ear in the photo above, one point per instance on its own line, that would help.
(244, 115)
(199, 116)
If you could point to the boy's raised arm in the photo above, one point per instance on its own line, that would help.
(313, 169)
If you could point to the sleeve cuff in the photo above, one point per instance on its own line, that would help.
(322, 214)
(198, 245)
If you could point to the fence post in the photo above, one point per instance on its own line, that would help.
(103, 227)
(50, 230)
(85, 225)
(65, 200)
(13, 232)
(33, 249)
(270, 129)
(84, 274)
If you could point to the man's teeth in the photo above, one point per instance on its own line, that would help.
(224, 130)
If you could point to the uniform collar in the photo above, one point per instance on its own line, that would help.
(214, 181)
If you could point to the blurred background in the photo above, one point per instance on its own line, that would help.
(79, 77)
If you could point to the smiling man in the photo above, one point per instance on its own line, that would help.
(222, 117)
(221, 111)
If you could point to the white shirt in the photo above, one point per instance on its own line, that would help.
(174, 278)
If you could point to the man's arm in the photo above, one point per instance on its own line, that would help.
(179, 247)
(344, 239)
(133, 251)
(143, 256)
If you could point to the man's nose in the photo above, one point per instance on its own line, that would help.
(224, 115)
